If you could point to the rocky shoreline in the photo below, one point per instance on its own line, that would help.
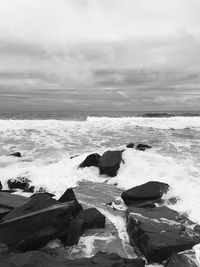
(127, 228)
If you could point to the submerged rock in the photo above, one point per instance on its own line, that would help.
(183, 259)
(145, 192)
(156, 233)
(91, 160)
(40, 259)
(35, 229)
(15, 154)
(110, 162)
(22, 183)
(143, 147)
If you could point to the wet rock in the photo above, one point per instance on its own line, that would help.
(145, 192)
(158, 232)
(36, 202)
(40, 259)
(35, 229)
(15, 154)
(1, 186)
(68, 196)
(130, 145)
(92, 218)
(142, 147)
(22, 183)
(11, 201)
(182, 259)
(75, 231)
(110, 162)
(91, 160)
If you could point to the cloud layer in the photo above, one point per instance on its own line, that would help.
(128, 53)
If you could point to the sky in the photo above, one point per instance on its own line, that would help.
(99, 55)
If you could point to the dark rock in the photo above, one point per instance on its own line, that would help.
(142, 147)
(1, 186)
(182, 259)
(4, 212)
(74, 156)
(40, 259)
(22, 183)
(36, 202)
(92, 218)
(110, 162)
(145, 192)
(35, 229)
(158, 232)
(68, 196)
(131, 145)
(75, 231)
(11, 201)
(91, 160)
(15, 154)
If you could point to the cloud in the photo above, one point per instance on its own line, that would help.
(132, 47)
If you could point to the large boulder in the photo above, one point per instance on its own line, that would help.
(22, 183)
(109, 162)
(92, 218)
(145, 192)
(91, 160)
(40, 259)
(156, 233)
(183, 259)
(142, 147)
(35, 229)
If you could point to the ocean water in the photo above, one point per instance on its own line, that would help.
(47, 141)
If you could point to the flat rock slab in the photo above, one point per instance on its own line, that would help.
(12, 201)
(40, 259)
(183, 259)
(158, 232)
(35, 229)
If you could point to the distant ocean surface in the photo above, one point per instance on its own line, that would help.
(48, 140)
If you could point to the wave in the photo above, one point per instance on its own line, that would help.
(139, 167)
(176, 122)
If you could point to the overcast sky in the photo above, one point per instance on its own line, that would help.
(99, 54)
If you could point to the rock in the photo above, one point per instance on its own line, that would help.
(130, 145)
(158, 232)
(40, 259)
(15, 154)
(68, 196)
(11, 201)
(142, 147)
(182, 259)
(92, 218)
(36, 202)
(35, 229)
(75, 231)
(22, 183)
(145, 192)
(110, 162)
(1, 186)
(4, 212)
(91, 160)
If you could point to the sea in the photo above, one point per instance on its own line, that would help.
(53, 144)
